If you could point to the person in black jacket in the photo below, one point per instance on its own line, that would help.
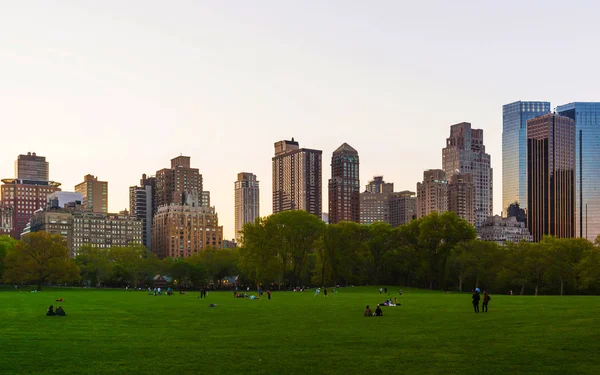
(476, 297)
(378, 311)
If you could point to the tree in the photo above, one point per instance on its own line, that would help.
(94, 264)
(258, 255)
(40, 257)
(432, 238)
(7, 243)
(296, 233)
(377, 244)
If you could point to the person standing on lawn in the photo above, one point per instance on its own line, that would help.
(476, 297)
(486, 300)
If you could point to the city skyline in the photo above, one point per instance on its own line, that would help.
(207, 94)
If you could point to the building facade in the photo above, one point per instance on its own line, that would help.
(344, 185)
(141, 205)
(514, 150)
(502, 230)
(181, 231)
(432, 193)
(402, 207)
(6, 218)
(374, 207)
(94, 193)
(32, 167)
(24, 197)
(297, 181)
(461, 196)
(172, 184)
(247, 198)
(80, 226)
(587, 166)
(465, 153)
(551, 176)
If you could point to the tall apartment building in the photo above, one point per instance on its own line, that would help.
(205, 199)
(551, 176)
(432, 193)
(344, 185)
(247, 207)
(94, 192)
(375, 201)
(402, 207)
(465, 153)
(183, 230)
(172, 184)
(23, 196)
(461, 196)
(297, 178)
(514, 150)
(587, 166)
(141, 205)
(32, 167)
(378, 185)
(80, 226)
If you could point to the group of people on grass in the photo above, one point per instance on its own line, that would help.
(59, 311)
(476, 298)
(369, 312)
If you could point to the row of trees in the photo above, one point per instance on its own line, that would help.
(439, 251)
(294, 248)
(41, 258)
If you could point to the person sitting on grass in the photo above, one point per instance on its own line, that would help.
(60, 311)
(368, 311)
(50, 311)
(378, 311)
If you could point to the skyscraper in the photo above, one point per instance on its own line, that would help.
(587, 166)
(31, 167)
(172, 184)
(94, 192)
(514, 150)
(141, 205)
(461, 196)
(247, 207)
(432, 193)
(296, 178)
(465, 153)
(344, 185)
(551, 176)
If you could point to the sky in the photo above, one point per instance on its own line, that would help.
(117, 89)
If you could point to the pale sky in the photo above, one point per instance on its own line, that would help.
(118, 88)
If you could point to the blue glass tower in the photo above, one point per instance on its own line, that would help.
(587, 159)
(514, 149)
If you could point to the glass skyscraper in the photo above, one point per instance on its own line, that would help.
(514, 149)
(587, 166)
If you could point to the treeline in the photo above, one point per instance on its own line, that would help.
(439, 251)
(41, 258)
(294, 248)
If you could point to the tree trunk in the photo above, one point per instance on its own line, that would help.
(562, 286)
(39, 288)
(460, 284)
(522, 289)
(536, 289)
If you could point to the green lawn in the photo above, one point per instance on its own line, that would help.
(129, 332)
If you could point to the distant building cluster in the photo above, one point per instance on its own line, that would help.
(550, 179)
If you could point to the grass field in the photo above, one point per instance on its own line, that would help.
(130, 332)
